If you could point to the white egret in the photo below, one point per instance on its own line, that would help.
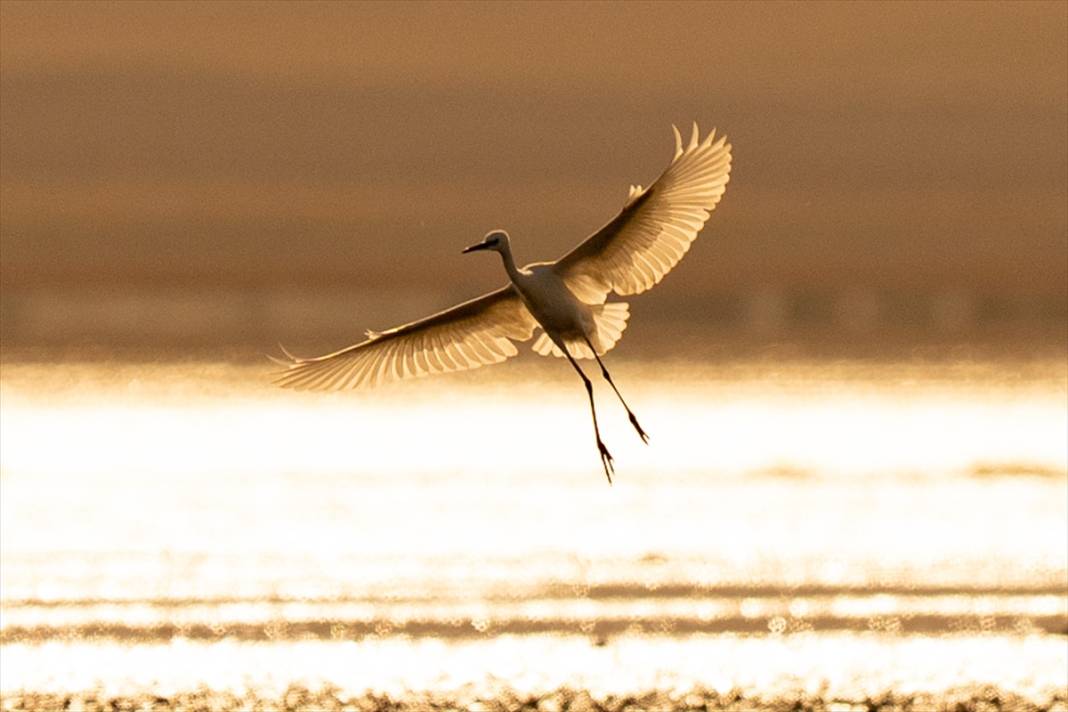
(565, 299)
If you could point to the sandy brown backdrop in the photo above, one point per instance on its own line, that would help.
(211, 170)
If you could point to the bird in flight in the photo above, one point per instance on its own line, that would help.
(565, 301)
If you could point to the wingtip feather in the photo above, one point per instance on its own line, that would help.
(678, 141)
(291, 357)
(278, 362)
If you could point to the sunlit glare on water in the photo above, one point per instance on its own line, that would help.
(888, 510)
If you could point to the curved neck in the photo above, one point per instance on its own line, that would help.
(509, 263)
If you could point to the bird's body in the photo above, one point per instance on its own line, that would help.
(565, 299)
(551, 303)
(544, 293)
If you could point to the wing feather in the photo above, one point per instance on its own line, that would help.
(633, 252)
(476, 333)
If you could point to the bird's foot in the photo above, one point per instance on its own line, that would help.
(606, 460)
(641, 433)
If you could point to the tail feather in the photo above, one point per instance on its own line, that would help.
(610, 321)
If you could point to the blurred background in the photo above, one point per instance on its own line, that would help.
(224, 174)
(856, 386)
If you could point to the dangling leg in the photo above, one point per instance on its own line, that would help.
(608, 377)
(606, 457)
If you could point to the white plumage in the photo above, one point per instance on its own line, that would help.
(627, 256)
(475, 333)
(643, 243)
(565, 299)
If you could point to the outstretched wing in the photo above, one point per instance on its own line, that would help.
(475, 333)
(657, 226)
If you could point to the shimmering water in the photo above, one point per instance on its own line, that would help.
(846, 527)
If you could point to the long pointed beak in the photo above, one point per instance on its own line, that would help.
(475, 248)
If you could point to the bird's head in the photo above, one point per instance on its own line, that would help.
(496, 240)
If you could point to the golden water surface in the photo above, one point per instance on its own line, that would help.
(849, 527)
